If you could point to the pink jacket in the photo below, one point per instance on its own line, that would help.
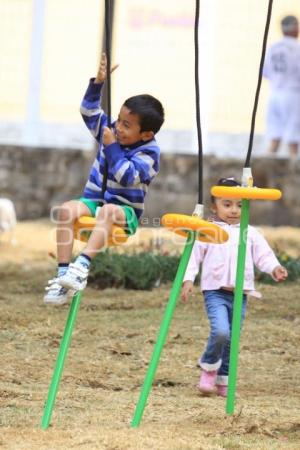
(219, 260)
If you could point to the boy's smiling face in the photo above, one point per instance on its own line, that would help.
(128, 128)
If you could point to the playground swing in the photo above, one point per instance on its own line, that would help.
(172, 221)
(193, 227)
(82, 229)
(247, 192)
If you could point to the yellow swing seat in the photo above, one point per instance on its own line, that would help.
(206, 231)
(85, 224)
(250, 193)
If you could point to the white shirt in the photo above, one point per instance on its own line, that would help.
(282, 64)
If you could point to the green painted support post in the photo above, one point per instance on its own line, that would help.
(237, 307)
(63, 350)
(164, 328)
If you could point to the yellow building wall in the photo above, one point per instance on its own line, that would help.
(72, 41)
(72, 44)
(240, 27)
(155, 48)
(15, 18)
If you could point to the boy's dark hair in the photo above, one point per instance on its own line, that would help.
(149, 109)
(230, 181)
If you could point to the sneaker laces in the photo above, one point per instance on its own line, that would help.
(78, 270)
(52, 284)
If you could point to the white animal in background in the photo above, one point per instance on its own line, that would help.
(8, 218)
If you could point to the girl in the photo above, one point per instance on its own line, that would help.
(217, 285)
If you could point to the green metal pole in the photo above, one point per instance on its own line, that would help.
(163, 332)
(237, 307)
(63, 350)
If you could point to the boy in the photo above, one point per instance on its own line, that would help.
(131, 154)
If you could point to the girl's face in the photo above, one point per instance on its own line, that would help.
(228, 209)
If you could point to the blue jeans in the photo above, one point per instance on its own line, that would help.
(219, 308)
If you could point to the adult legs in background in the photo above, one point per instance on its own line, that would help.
(273, 146)
(293, 150)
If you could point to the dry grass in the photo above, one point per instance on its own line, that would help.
(111, 347)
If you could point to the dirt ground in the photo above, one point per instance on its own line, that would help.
(110, 351)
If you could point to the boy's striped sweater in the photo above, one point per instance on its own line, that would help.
(130, 169)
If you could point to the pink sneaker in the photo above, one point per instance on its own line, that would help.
(222, 390)
(207, 381)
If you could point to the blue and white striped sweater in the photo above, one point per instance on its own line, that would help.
(130, 169)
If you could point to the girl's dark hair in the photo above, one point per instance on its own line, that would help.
(230, 181)
(149, 109)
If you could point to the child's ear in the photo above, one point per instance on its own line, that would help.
(213, 208)
(147, 135)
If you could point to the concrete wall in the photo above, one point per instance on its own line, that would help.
(36, 179)
(176, 187)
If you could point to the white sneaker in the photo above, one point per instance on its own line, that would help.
(56, 295)
(75, 278)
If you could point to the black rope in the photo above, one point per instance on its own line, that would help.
(108, 31)
(267, 26)
(199, 133)
(108, 56)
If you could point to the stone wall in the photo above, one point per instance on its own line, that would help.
(176, 187)
(36, 179)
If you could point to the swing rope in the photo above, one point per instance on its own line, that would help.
(162, 335)
(67, 335)
(108, 37)
(197, 90)
(108, 32)
(264, 46)
(194, 228)
(241, 257)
